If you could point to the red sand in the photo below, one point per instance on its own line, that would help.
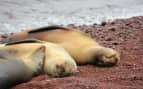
(126, 36)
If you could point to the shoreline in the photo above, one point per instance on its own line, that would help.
(9, 28)
(17, 15)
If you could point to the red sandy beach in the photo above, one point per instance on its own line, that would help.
(124, 35)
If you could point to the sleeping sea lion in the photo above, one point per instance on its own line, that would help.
(12, 70)
(40, 56)
(81, 47)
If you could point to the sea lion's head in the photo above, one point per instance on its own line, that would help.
(102, 56)
(61, 68)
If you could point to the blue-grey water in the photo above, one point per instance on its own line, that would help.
(16, 15)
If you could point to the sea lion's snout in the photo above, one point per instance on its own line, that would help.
(60, 69)
(106, 61)
(65, 69)
(105, 57)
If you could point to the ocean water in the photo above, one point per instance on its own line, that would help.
(16, 15)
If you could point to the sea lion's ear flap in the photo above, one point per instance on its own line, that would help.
(24, 41)
(49, 28)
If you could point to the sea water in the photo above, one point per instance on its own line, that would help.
(16, 15)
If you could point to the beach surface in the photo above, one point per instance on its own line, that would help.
(125, 36)
(110, 22)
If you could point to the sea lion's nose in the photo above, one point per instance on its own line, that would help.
(98, 61)
(104, 61)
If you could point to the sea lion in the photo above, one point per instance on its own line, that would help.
(81, 47)
(12, 70)
(40, 56)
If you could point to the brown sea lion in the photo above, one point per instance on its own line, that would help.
(81, 47)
